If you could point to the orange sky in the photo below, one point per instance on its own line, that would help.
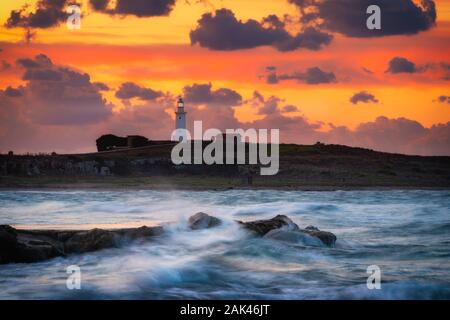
(156, 52)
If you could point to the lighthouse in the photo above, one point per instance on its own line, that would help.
(180, 120)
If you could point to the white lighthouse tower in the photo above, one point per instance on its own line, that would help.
(180, 120)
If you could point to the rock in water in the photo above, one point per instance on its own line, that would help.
(294, 237)
(263, 227)
(38, 245)
(201, 220)
(91, 240)
(15, 247)
(326, 237)
(8, 243)
(140, 233)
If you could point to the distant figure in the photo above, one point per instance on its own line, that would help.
(180, 120)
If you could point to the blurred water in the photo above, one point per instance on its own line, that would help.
(405, 233)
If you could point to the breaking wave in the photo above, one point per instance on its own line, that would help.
(405, 233)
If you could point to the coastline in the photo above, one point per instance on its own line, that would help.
(316, 167)
(303, 188)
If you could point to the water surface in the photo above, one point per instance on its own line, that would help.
(405, 233)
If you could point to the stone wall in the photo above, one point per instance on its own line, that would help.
(101, 166)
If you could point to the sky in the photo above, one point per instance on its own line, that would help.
(309, 68)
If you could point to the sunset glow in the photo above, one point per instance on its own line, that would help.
(156, 52)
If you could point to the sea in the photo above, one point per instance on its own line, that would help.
(391, 244)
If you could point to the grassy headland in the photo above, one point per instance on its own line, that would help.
(307, 167)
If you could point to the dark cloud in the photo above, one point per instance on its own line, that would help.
(46, 14)
(39, 61)
(439, 70)
(129, 90)
(22, 130)
(444, 99)
(222, 31)
(272, 78)
(44, 75)
(349, 17)
(100, 86)
(363, 96)
(50, 13)
(270, 106)
(290, 108)
(13, 92)
(58, 95)
(203, 94)
(401, 65)
(313, 75)
(99, 5)
(27, 63)
(138, 8)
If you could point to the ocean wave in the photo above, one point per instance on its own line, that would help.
(402, 232)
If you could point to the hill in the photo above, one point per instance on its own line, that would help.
(316, 167)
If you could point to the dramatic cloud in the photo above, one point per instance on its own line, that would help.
(138, 8)
(38, 74)
(101, 86)
(290, 108)
(203, 94)
(40, 61)
(222, 31)
(129, 90)
(349, 17)
(312, 75)
(57, 95)
(13, 92)
(401, 65)
(363, 96)
(50, 13)
(444, 99)
(99, 5)
(148, 119)
(47, 14)
(269, 106)
(271, 77)
(20, 130)
(395, 135)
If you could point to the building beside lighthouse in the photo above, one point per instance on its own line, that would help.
(180, 121)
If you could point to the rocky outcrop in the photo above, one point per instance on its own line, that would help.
(295, 237)
(201, 220)
(38, 245)
(291, 230)
(261, 227)
(16, 247)
(326, 237)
